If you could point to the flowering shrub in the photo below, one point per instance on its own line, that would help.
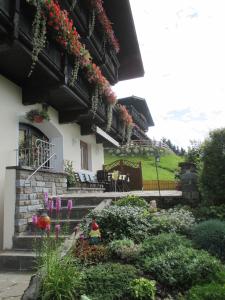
(124, 249)
(172, 220)
(118, 222)
(132, 200)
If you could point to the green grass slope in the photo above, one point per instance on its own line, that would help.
(166, 167)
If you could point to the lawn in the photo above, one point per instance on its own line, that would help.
(166, 167)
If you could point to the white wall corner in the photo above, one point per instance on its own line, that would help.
(9, 208)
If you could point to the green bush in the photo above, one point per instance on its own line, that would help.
(124, 249)
(132, 200)
(126, 221)
(211, 291)
(172, 220)
(143, 289)
(62, 279)
(162, 243)
(203, 213)
(182, 267)
(210, 235)
(109, 281)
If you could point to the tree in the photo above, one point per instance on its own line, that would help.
(212, 175)
(194, 153)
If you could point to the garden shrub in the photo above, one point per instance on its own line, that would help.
(203, 213)
(211, 291)
(172, 220)
(132, 200)
(62, 279)
(210, 235)
(91, 254)
(143, 289)
(109, 281)
(182, 267)
(125, 221)
(163, 242)
(124, 249)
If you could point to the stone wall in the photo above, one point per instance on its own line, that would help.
(30, 195)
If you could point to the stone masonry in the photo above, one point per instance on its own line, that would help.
(30, 195)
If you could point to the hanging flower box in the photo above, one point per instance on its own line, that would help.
(37, 116)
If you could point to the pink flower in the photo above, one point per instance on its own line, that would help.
(70, 205)
(34, 220)
(50, 205)
(46, 198)
(57, 230)
(58, 205)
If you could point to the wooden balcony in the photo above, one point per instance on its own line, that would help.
(138, 118)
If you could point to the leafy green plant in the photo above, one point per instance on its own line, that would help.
(68, 166)
(61, 279)
(108, 281)
(211, 291)
(124, 249)
(210, 235)
(162, 243)
(172, 220)
(125, 221)
(203, 213)
(143, 289)
(132, 200)
(212, 175)
(182, 267)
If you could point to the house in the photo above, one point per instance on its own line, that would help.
(58, 61)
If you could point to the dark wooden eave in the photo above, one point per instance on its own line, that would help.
(141, 106)
(120, 14)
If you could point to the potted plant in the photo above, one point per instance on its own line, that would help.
(37, 116)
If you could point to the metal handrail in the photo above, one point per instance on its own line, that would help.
(29, 177)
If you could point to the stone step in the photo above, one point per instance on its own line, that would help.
(85, 190)
(31, 242)
(77, 212)
(67, 225)
(17, 260)
(78, 200)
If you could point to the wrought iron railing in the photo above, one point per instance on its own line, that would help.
(38, 155)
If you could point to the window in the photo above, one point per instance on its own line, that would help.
(28, 135)
(84, 155)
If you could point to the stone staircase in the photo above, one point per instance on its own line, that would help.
(23, 257)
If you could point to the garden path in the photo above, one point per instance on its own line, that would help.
(13, 284)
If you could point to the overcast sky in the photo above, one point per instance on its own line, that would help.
(182, 44)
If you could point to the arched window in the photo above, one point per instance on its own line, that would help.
(29, 155)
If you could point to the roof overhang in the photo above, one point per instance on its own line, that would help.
(104, 138)
(120, 14)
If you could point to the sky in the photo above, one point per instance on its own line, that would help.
(182, 44)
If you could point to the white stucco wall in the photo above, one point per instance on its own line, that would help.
(66, 137)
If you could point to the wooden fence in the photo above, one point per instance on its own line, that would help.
(151, 185)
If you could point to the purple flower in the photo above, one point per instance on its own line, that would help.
(58, 205)
(46, 198)
(50, 205)
(34, 220)
(57, 230)
(69, 204)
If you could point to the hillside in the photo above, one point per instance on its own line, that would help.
(166, 167)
